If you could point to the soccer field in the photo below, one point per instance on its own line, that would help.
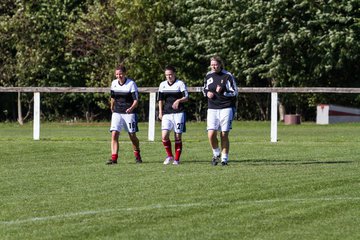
(305, 186)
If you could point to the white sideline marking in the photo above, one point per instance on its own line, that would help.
(159, 206)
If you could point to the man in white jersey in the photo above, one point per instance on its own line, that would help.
(172, 94)
(221, 91)
(123, 103)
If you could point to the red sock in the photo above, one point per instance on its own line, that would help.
(137, 154)
(114, 157)
(167, 145)
(178, 149)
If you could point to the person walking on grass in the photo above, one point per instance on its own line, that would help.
(123, 103)
(221, 91)
(171, 97)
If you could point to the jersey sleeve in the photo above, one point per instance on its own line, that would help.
(112, 92)
(183, 89)
(160, 95)
(231, 88)
(134, 91)
(205, 87)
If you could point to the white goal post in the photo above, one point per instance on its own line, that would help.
(152, 100)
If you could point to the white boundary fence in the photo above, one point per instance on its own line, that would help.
(152, 101)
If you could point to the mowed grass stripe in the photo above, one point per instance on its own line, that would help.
(187, 205)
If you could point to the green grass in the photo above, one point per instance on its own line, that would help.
(305, 186)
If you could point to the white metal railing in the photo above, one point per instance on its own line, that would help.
(152, 101)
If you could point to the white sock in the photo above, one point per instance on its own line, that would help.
(216, 152)
(224, 157)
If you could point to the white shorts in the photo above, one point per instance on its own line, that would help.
(120, 121)
(174, 121)
(220, 119)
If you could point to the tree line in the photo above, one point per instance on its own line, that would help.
(288, 43)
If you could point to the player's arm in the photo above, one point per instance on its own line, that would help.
(112, 104)
(185, 98)
(205, 89)
(112, 101)
(135, 97)
(132, 107)
(161, 106)
(231, 88)
(160, 99)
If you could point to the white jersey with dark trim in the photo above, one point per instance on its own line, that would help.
(124, 94)
(227, 97)
(170, 93)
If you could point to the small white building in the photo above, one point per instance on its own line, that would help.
(327, 113)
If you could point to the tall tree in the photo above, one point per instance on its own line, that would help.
(113, 32)
(35, 47)
(272, 43)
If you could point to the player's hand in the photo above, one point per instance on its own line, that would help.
(218, 89)
(160, 116)
(176, 104)
(129, 110)
(210, 94)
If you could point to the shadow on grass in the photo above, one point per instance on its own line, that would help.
(287, 162)
(255, 162)
(274, 162)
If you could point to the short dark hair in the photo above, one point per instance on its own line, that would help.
(121, 67)
(171, 68)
